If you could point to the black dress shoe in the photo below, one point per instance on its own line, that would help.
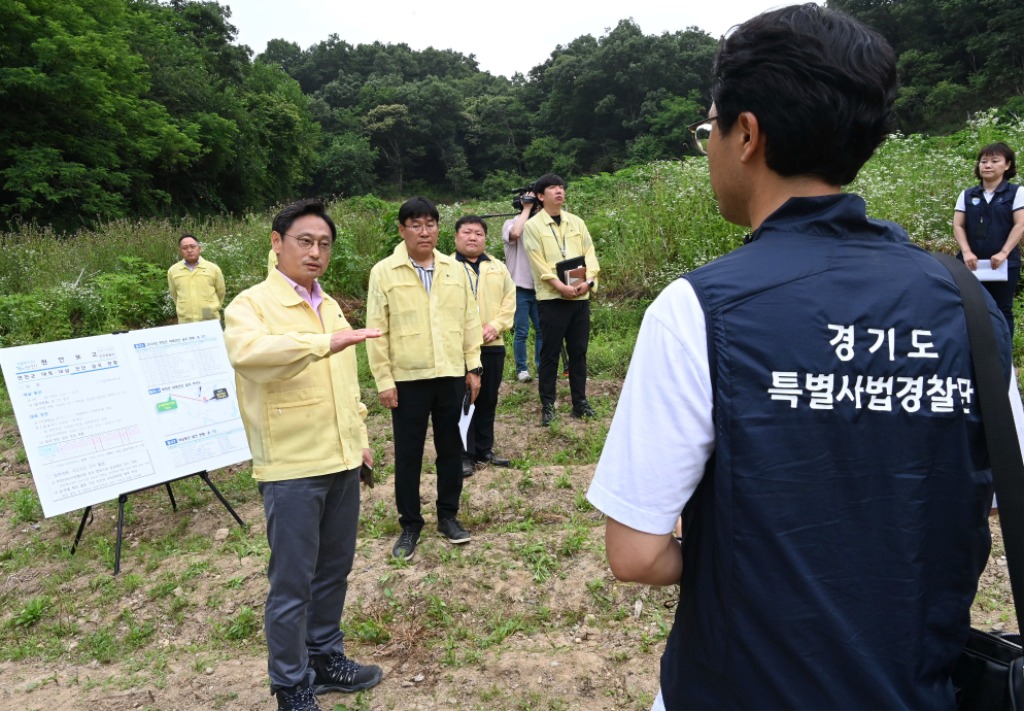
(489, 458)
(467, 467)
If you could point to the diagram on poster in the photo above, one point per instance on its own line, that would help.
(105, 415)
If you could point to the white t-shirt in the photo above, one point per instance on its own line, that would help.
(662, 433)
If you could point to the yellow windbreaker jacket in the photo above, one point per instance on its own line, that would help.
(495, 294)
(421, 337)
(544, 241)
(198, 294)
(300, 403)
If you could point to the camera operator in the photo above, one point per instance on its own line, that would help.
(518, 264)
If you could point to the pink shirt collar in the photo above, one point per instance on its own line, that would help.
(314, 298)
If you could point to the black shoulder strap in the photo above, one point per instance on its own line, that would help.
(997, 417)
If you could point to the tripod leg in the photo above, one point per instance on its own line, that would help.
(121, 501)
(206, 477)
(81, 527)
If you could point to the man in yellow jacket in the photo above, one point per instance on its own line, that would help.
(298, 390)
(425, 363)
(196, 285)
(553, 237)
(495, 294)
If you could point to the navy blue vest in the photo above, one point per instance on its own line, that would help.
(833, 548)
(989, 223)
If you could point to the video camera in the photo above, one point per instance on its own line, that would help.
(520, 199)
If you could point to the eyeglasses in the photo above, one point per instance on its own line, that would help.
(427, 226)
(700, 132)
(306, 243)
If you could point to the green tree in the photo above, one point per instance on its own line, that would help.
(956, 57)
(79, 141)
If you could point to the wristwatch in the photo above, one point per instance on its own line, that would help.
(591, 283)
(475, 371)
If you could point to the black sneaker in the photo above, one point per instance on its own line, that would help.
(336, 672)
(296, 698)
(405, 546)
(547, 414)
(583, 410)
(451, 529)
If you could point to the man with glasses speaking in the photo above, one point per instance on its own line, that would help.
(298, 391)
(426, 365)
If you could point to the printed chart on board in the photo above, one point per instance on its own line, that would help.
(105, 415)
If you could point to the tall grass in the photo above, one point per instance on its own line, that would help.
(650, 224)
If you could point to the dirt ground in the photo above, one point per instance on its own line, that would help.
(526, 616)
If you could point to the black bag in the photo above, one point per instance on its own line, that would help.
(989, 675)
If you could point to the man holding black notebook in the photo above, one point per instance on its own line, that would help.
(565, 271)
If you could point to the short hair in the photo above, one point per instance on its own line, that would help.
(283, 220)
(997, 149)
(470, 220)
(546, 181)
(821, 85)
(186, 236)
(417, 207)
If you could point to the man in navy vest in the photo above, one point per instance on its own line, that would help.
(807, 403)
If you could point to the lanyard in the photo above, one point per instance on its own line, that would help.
(561, 247)
(469, 275)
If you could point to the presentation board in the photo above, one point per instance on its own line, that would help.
(106, 415)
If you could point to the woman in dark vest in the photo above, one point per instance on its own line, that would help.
(989, 220)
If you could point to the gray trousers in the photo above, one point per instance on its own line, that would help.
(311, 529)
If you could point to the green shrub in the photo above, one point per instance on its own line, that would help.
(135, 296)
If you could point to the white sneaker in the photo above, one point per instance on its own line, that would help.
(524, 376)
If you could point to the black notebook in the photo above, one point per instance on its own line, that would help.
(567, 265)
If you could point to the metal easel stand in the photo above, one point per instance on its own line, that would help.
(123, 498)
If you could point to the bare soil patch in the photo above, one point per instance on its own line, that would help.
(527, 616)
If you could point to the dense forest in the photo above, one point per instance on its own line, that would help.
(140, 108)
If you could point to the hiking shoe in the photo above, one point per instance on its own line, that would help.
(296, 698)
(451, 529)
(583, 410)
(336, 672)
(405, 546)
(547, 414)
(524, 376)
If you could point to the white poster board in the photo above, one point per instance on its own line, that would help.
(106, 415)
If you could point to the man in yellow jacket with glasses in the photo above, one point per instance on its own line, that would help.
(426, 365)
(298, 390)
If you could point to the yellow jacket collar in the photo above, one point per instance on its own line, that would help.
(400, 257)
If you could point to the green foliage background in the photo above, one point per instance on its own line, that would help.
(650, 224)
(126, 109)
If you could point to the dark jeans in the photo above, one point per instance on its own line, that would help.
(311, 529)
(440, 401)
(526, 313)
(480, 437)
(1003, 293)
(568, 321)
